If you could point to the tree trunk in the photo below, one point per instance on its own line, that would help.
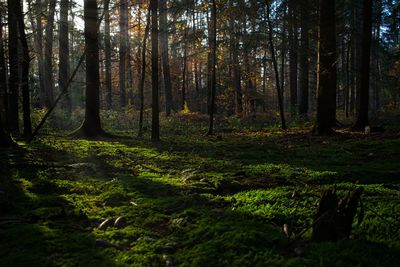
(184, 71)
(107, 52)
(143, 75)
(26, 104)
(48, 55)
(123, 39)
(91, 126)
(165, 57)
(326, 84)
(293, 47)
(213, 38)
(5, 138)
(275, 65)
(362, 118)
(63, 65)
(304, 63)
(13, 66)
(155, 123)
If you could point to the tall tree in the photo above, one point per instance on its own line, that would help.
(303, 58)
(213, 48)
(24, 83)
(123, 40)
(107, 52)
(165, 57)
(363, 107)
(293, 47)
(63, 64)
(48, 55)
(91, 126)
(326, 81)
(13, 81)
(155, 123)
(275, 66)
(5, 138)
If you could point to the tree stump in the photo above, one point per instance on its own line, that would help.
(334, 218)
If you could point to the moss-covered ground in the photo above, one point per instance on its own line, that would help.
(193, 200)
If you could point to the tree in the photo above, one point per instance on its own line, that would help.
(275, 65)
(326, 80)
(123, 40)
(24, 83)
(13, 81)
(303, 58)
(362, 118)
(48, 55)
(165, 57)
(63, 64)
(155, 123)
(5, 138)
(293, 47)
(91, 126)
(213, 48)
(107, 52)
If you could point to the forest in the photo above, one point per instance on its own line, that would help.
(199, 133)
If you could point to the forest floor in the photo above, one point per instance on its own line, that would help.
(193, 200)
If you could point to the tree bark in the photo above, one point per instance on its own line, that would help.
(304, 62)
(63, 65)
(293, 61)
(107, 52)
(155, 123)
(362, 118)
(91, 126)
(48, 55)
(165, 57)
(326, 81)
(143, 75)
(123, 38)
(213, 37)
(13, 82)
(26, 104)
(275, 65)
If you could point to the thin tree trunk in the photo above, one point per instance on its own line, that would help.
(155, 123)
(184, 71)
(107, 52)
(304, 62)
(213, 38)
(275, 65)
(123, 38)
(293, 47)
(48, 55)
(143, 75)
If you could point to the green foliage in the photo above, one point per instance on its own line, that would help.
(196, 200)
